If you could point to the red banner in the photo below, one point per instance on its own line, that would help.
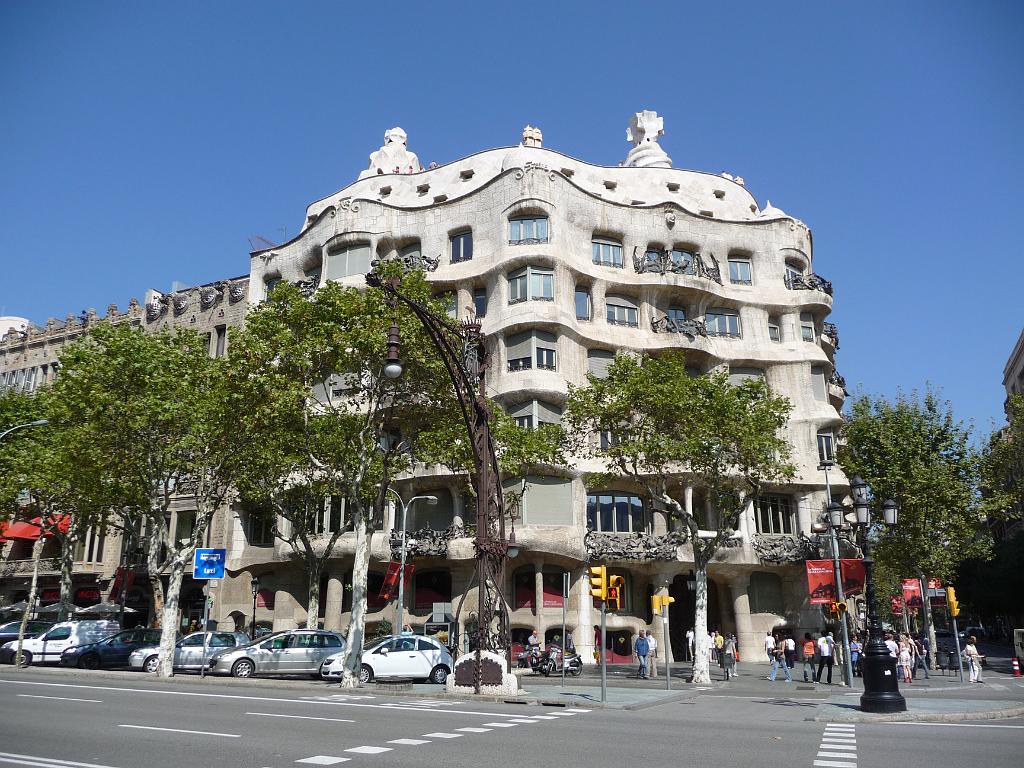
(389, 587)
(821, 582)
(912, 594)
(934, 583)
(897, 604)
(853, 576)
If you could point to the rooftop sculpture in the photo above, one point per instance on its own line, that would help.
(393, 157)
(644, 130)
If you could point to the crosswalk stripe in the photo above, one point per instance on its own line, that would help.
(845, 755)
(442, 735)
(369, 750)
(474, 730)
(836, 745)
(834, 764)
(501, 725)
(409, 742)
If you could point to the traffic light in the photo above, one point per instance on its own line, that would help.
(951, 602)
(656, 604)
(616, 588)
(599, 582)
(842, 608)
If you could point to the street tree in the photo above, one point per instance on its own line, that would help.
(669, 429)
(914, 450)
(159, 414)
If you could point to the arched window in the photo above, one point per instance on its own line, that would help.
(348, 260)
(431, 587)
(616, 512)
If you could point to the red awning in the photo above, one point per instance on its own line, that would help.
(22, 531)
(61, 523)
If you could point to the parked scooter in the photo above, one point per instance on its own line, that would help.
(551, 661)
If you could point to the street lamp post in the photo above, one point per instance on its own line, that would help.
(255, 584)
(833, 521)
(881, 683)
(36, 423)
(400, 609)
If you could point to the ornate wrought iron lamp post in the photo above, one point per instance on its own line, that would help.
(255, 584)
(465, 357)
(881, 683)
(831, 522)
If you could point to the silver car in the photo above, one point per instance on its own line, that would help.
(188, 652)
(292, 652)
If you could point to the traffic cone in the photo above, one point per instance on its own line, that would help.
(1016, 667)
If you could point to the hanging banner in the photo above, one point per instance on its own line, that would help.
(897, 604)
(912, 594)
(821, 582)
(854, 576)
(934, 583)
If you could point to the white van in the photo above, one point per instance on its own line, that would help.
(47, 647)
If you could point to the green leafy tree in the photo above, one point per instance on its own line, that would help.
(915, 451)
(158, 414)
(670, 430)
(1002, 467)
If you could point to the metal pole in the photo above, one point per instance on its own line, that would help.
(604, 654)
(565, 597)
(401, 573)
(664, 645)
(960, 659)
(252, 624)
(837, 570)
(206, 634)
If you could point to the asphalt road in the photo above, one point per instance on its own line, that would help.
(53, 719)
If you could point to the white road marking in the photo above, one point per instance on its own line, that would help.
(840, 727)
(409, 742)
(578, 710)
(521, 720)
(300, 717)
(58, 698)
(826, 744)
(47, 760)
(267, 698)
(834, 764)
(958, 725)
(324, 760)
(843, 755)
(369, 750)
(543, 717)
(442, 735)
(179, 730)
(474, 730)
(502, 725)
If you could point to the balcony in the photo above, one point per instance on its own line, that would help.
(809, 282)
(832, 332)
(692, 328)
(661, 262)
(837, 389)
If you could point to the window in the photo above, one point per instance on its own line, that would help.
(260, 527)
(431, 587)
(774, 329)
(739, 271)
(537, 283)
(607, 253)
(546, 500)
(222, 338)
(807, 326)
(528, 230)
(826, 446)
(462, 247)
(765, 593)
(608, 439)
(330, 517)
(775, 514)
(740, 374)
(683, 261)
(598, 362)
(793, 269)
(350, 260)
(583, 304)
(818, 382)
(677, 316)
(522, 349)
(622, 311)
(524, 422)
(480, 302)
(535, 412)
(721, 321)
(437, 516)
(615, 512)
(270, 284)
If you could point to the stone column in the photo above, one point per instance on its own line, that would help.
(750, 643)
(335, 598)
(458, 507)
(728, 622)
(803, 513)
(662, 582)
(688, 500)
(285, 609)
(749, 515)
(583, 636)
(538, 589)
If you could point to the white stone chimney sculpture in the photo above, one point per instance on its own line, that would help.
(644, 130)
(393, 157)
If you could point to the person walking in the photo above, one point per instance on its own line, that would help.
(789, 647)
(970, 653)
(641, 650)
(652, 654)
(856, 649)
(769, 646)
(904, 661)
(729, 656)
(779, 662)
(826, 657)
(808, 651)
(921, 644)
(689, 643)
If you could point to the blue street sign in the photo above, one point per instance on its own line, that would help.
(209, 564)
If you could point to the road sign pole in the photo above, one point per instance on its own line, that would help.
(206, 636)
(665, 647)
(604, 653)
(959, 658)
(565, 643)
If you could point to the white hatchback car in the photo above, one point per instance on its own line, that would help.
(398, 656)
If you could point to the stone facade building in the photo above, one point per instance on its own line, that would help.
(565, 263)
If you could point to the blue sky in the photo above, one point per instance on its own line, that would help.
(143, 144)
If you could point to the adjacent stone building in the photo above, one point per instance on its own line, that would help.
(565, 263)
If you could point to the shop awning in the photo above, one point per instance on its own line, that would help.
(30, 531)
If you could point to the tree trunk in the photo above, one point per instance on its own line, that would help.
(156, 587)
(314, 567)
(701, 642)
(67, 562)
(37, 551)
(170, 618)
(929, 624)
(353, 653)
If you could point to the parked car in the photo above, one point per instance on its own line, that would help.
(48, 647)
(9, 631)
(292, 652)
(398, 656)
(110, 652)
(188, 652)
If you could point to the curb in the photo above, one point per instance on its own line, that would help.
(1003, 713)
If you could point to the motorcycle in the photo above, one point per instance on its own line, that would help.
(551, 661)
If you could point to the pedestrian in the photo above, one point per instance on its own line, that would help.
(826, 650)
(641, 649)
(970, 653)
(729, 654)
(894, 649)
(922, 645)
(652, 654)
(769, 646)
(533, 644)
(905, 662)
(407, 629)
(856, 648)
(808, 651)
(779, 662)
(689, 643)
(719, 645)
(789, 646)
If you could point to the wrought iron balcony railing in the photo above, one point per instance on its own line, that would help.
(838, 380)
(662, 262)
(691, 328)
(809, 282)
(830, 330)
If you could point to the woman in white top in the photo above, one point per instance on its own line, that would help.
(973, 658)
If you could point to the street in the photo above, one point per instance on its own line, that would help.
(120, 720)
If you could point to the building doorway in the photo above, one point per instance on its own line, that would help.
(681, 612)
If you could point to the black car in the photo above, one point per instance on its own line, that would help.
(9, 631)
(110, 652)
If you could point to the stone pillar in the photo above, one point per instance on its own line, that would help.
(749, 515)
(538, 589)
(458, 507)
(662, 582)
(688, 500)
(728, 617)
(335, 598)
(804, 518)
(744, 529)
(750, 643)
(285, 609)
(585, 619)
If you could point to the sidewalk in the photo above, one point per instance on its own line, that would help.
(837, 710)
